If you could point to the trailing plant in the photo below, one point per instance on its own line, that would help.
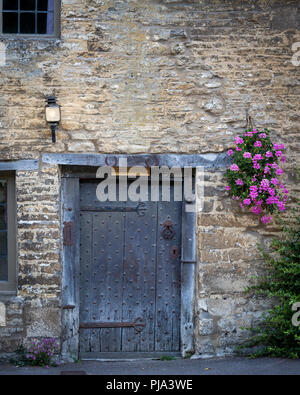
(277, 335)
(253, 177)
(39, 353)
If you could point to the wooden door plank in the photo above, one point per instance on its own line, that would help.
(86, 226)
(167, 335)
(139, 278)
(108, 255)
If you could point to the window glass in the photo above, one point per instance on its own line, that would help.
(27, 23)
(10, 4)
(3, 231)
(42, 5)
(27, 5)
(10, 22)
(28, 16)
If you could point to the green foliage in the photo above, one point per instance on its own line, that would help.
(167, 358)
(20, 359)
(276, 336)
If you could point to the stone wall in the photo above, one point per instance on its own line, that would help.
(159, 76)
(35, 310)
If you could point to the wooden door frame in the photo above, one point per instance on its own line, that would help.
(70, 257)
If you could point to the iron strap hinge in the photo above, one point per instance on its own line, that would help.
(140, 209)
(138, 325)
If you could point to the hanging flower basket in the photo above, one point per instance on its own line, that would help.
(253, 178)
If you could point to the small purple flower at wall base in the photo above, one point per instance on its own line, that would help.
(253, 178)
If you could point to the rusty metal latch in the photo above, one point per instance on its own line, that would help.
(168, 232)
(138, 325)
(69, 307)
(68, 233)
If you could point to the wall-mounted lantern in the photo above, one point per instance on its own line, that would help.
(52, 115)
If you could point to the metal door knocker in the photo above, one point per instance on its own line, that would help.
(168, 232)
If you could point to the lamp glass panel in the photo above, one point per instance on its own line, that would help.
(53, 114)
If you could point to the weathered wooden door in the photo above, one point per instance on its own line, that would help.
(129, 275)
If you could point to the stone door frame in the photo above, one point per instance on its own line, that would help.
(70, 251)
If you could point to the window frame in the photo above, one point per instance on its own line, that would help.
(10, 286)
(56, 29)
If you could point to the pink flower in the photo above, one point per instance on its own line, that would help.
(266, 170)
(253, 195)
(239, 182)
(281, 206)
(278, 154)
(256, 166)
(253, 188)
(269, 154)
(283, 159)
(238, 140)
(279, 172)
(262, 135)
(271, 191)
(274, 181)
(254, 131)
(274, 165)
(272, 200)
(247, 155)
(279, 146)
(265, 219)
(238, 149)
(258, 157)
(257, 144)
(247, 202)
(234, 167)
(230, 152)
(256, 210)
(265, 184)
(227, 188)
